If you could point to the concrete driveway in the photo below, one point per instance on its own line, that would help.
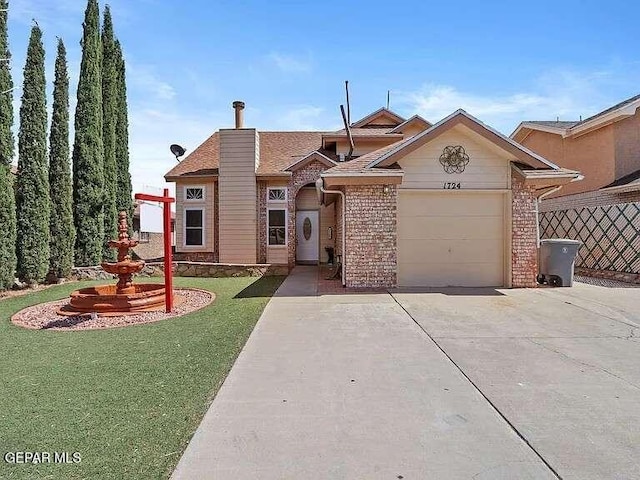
(458, 384)
(561, 365)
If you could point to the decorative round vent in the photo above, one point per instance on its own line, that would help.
(454, 159)
(306, 228)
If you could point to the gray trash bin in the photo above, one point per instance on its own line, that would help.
(557, 259)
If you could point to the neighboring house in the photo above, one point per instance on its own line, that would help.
(416, 205)
(605, 148)
(151, 244)
(603, 211)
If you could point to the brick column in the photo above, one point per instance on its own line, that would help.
(371, 236)
(524, 263)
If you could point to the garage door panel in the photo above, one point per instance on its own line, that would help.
(448, 228)
(451, 239)
(486, 274)
(452, 251)
(412, 203)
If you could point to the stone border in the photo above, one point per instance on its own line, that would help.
(189, 269)
(83, 322)
(609, 275)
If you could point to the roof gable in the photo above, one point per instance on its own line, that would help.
(313, 156)
(382, 116)
(415, 121)
(460, 117)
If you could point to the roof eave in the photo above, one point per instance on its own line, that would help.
(616, 115)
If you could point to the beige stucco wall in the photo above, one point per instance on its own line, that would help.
(209, 217)
(238, 240)
(591, 154)
(627, 145)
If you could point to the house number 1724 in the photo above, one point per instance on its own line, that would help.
(451, 186)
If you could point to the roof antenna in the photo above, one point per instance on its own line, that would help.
(346, 87)
(388, 98)
(347, 127)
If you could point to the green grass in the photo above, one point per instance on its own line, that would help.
(128, 399)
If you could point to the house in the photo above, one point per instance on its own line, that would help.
(603, 211)
(151, 243)
(407, 203)
(605, 148)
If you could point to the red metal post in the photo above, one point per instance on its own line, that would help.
(168, 260)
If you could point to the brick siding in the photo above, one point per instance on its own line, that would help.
(371, 236)
(308, 174)
(524, 260)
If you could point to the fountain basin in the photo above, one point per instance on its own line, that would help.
(125, 267)
(105, 300)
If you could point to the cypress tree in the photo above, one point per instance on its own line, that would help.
(32, 199)
(109, 119)
(124, 199)
(61, 223)
(7, 196)
(88, 150)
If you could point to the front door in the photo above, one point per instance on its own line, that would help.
(308, 236)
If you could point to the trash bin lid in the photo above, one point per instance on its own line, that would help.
(564, 241)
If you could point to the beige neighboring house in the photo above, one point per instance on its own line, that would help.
(605, 148)
(413, 204)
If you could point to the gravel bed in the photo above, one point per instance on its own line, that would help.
(44, 316)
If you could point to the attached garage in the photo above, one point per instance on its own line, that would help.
(452, 238)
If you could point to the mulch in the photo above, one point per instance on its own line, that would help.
(44, 316)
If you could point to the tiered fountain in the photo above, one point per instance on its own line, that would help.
(124, 297)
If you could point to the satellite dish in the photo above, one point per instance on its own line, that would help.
(177, 151)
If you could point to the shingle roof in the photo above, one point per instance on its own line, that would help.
(632, 178)
(278, 150)
(363, 132)
(615, 107)
(554, 123)
(359, 165)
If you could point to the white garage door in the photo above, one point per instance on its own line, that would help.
(451, 239)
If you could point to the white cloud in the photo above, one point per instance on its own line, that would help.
(290, 63)
(302, 117)
(144, 78)
(561, 93)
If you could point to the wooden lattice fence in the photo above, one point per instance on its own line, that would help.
(610, 235)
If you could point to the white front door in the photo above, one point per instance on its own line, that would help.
(308, 236)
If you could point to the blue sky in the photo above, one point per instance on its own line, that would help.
(502, 61)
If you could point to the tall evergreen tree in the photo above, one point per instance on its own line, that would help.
(7, 196)
(61, 224)
(124, 192)
(109, 119)
(32, 199)
(88, 150)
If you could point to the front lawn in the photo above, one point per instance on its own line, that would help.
(127, 399)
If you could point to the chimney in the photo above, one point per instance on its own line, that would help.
(238, 106)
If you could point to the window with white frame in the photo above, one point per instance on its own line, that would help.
(277, 194)
(194, 227)
(277, 226)
(194, 194)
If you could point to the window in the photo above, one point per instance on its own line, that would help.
(194, 194)
(277, 227)
(145, 237)
(277, 194)
(194, 227)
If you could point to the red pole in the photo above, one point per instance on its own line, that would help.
(168, 260)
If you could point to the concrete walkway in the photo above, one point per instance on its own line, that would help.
(350, 387)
